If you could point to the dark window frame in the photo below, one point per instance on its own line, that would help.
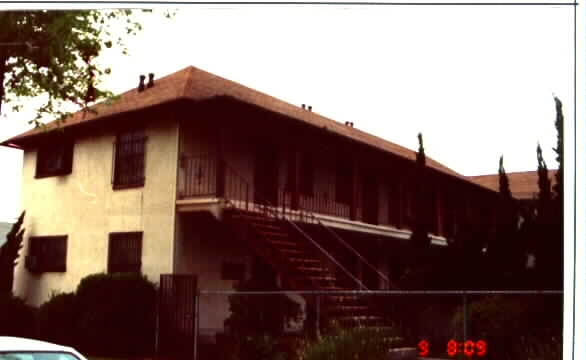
(129, 159)
(47, 254)
(124, 262)
(54, 158)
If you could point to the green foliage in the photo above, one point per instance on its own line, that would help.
(504, 187)
(259, 347)
(370, 343)
(52, 53)
(421, 219)
(9, 255)
(559, 125)
(117, 314)
(58, 319)
(17, 318)
(512, 326)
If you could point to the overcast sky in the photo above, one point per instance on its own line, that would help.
(477, 81)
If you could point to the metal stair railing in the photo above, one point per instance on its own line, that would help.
(241, 190)
(271, 211)
(238, 196)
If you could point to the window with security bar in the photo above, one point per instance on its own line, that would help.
(54, 159)
(125, 252)
(47, 254)
(129, 159)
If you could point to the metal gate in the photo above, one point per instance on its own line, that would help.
(176, 334)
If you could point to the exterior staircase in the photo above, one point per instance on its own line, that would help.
(304, 264)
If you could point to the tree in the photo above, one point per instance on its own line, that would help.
(550, 241)
(505, 251)
(420, 237)
(559, 125)
(544, 197)
(9, 255)
(51, 54)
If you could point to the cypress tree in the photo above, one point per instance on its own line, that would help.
(9, 255)
(505, 249)
(559, 125)
(420, 236)
(544, 197)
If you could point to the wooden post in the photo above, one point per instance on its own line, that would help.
(439, 209)
(354, 190)
(220, 165)
(294, 177)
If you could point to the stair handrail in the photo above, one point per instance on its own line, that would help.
(268, 208)
(306, 213)
(274, 214)
(348, 246)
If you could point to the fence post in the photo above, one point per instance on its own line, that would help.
(195, 325)
(465, 316)
(317, 316)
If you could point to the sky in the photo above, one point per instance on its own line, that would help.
(477, 81)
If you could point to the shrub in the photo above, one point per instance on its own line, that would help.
(17, 318)
(515, 327)
(58, 319)
(117, 314)
(372, 343)
(261, 314)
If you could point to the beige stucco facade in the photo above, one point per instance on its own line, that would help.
(84, 206)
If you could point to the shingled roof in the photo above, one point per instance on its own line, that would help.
(523, 184)
(195, 84)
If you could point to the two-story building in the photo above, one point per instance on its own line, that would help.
(195, 174)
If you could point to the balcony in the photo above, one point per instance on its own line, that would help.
(208, 183)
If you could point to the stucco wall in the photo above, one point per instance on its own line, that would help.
(202, 247)
(83, 206)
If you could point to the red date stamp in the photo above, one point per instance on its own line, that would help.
(453, 347)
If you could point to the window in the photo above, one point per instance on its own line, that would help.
(47, 254)
(129, 159)
(125, 252)
(54, 159)
(343, 182)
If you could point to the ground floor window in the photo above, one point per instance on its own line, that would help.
(47, 254)
(125, 252)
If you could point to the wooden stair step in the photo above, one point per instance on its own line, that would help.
(312, 269)
(274, 234)
(254, 218)
(305, 260)
(353, 310)
(283, 243)
(266, 225)
(291, 251)
(337, 299)
(322, 278)
(360, 319)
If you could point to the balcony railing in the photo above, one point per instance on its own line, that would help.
(205, 175)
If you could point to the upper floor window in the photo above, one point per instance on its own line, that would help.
(129, 159)
(54, 159)
(47, 254)
(125, 252)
